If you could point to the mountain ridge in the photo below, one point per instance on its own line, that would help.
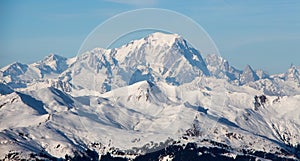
(134, 60)
(147, 97)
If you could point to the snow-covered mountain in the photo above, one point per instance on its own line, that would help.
(157, 57)
(153, 98)
(52, 64)
(292, 74)
(220, 68)
(248, 75)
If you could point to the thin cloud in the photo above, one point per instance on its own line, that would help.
(135, 2)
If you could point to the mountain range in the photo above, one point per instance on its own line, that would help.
(156, 98)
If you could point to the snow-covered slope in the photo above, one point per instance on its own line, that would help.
(145, 98)
(220, 68)
(18, 75)
(157, 57)
(52, 64)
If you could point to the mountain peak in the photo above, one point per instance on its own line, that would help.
(248, 75)
(262, 74)
(293, 73)
(53, 57)
(215, 60)
(160, 35)
(52, 63)
(248, 68)
(220, 68)
(15, 68)
(163, 38)
(14, 64)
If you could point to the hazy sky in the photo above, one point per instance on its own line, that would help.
(262, 33)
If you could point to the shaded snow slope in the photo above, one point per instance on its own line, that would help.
(146, 112)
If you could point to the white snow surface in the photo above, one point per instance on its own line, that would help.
(146, 92)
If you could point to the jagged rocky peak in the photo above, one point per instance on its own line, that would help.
(52, 63)
(220, 68)
(216, 65)
(15, 68)
(96, 56)
(217, 60)
(293, 74)
(262, 74)
(53, 57)
(248, 75)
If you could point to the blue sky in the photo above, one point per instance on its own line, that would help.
(262, 33)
